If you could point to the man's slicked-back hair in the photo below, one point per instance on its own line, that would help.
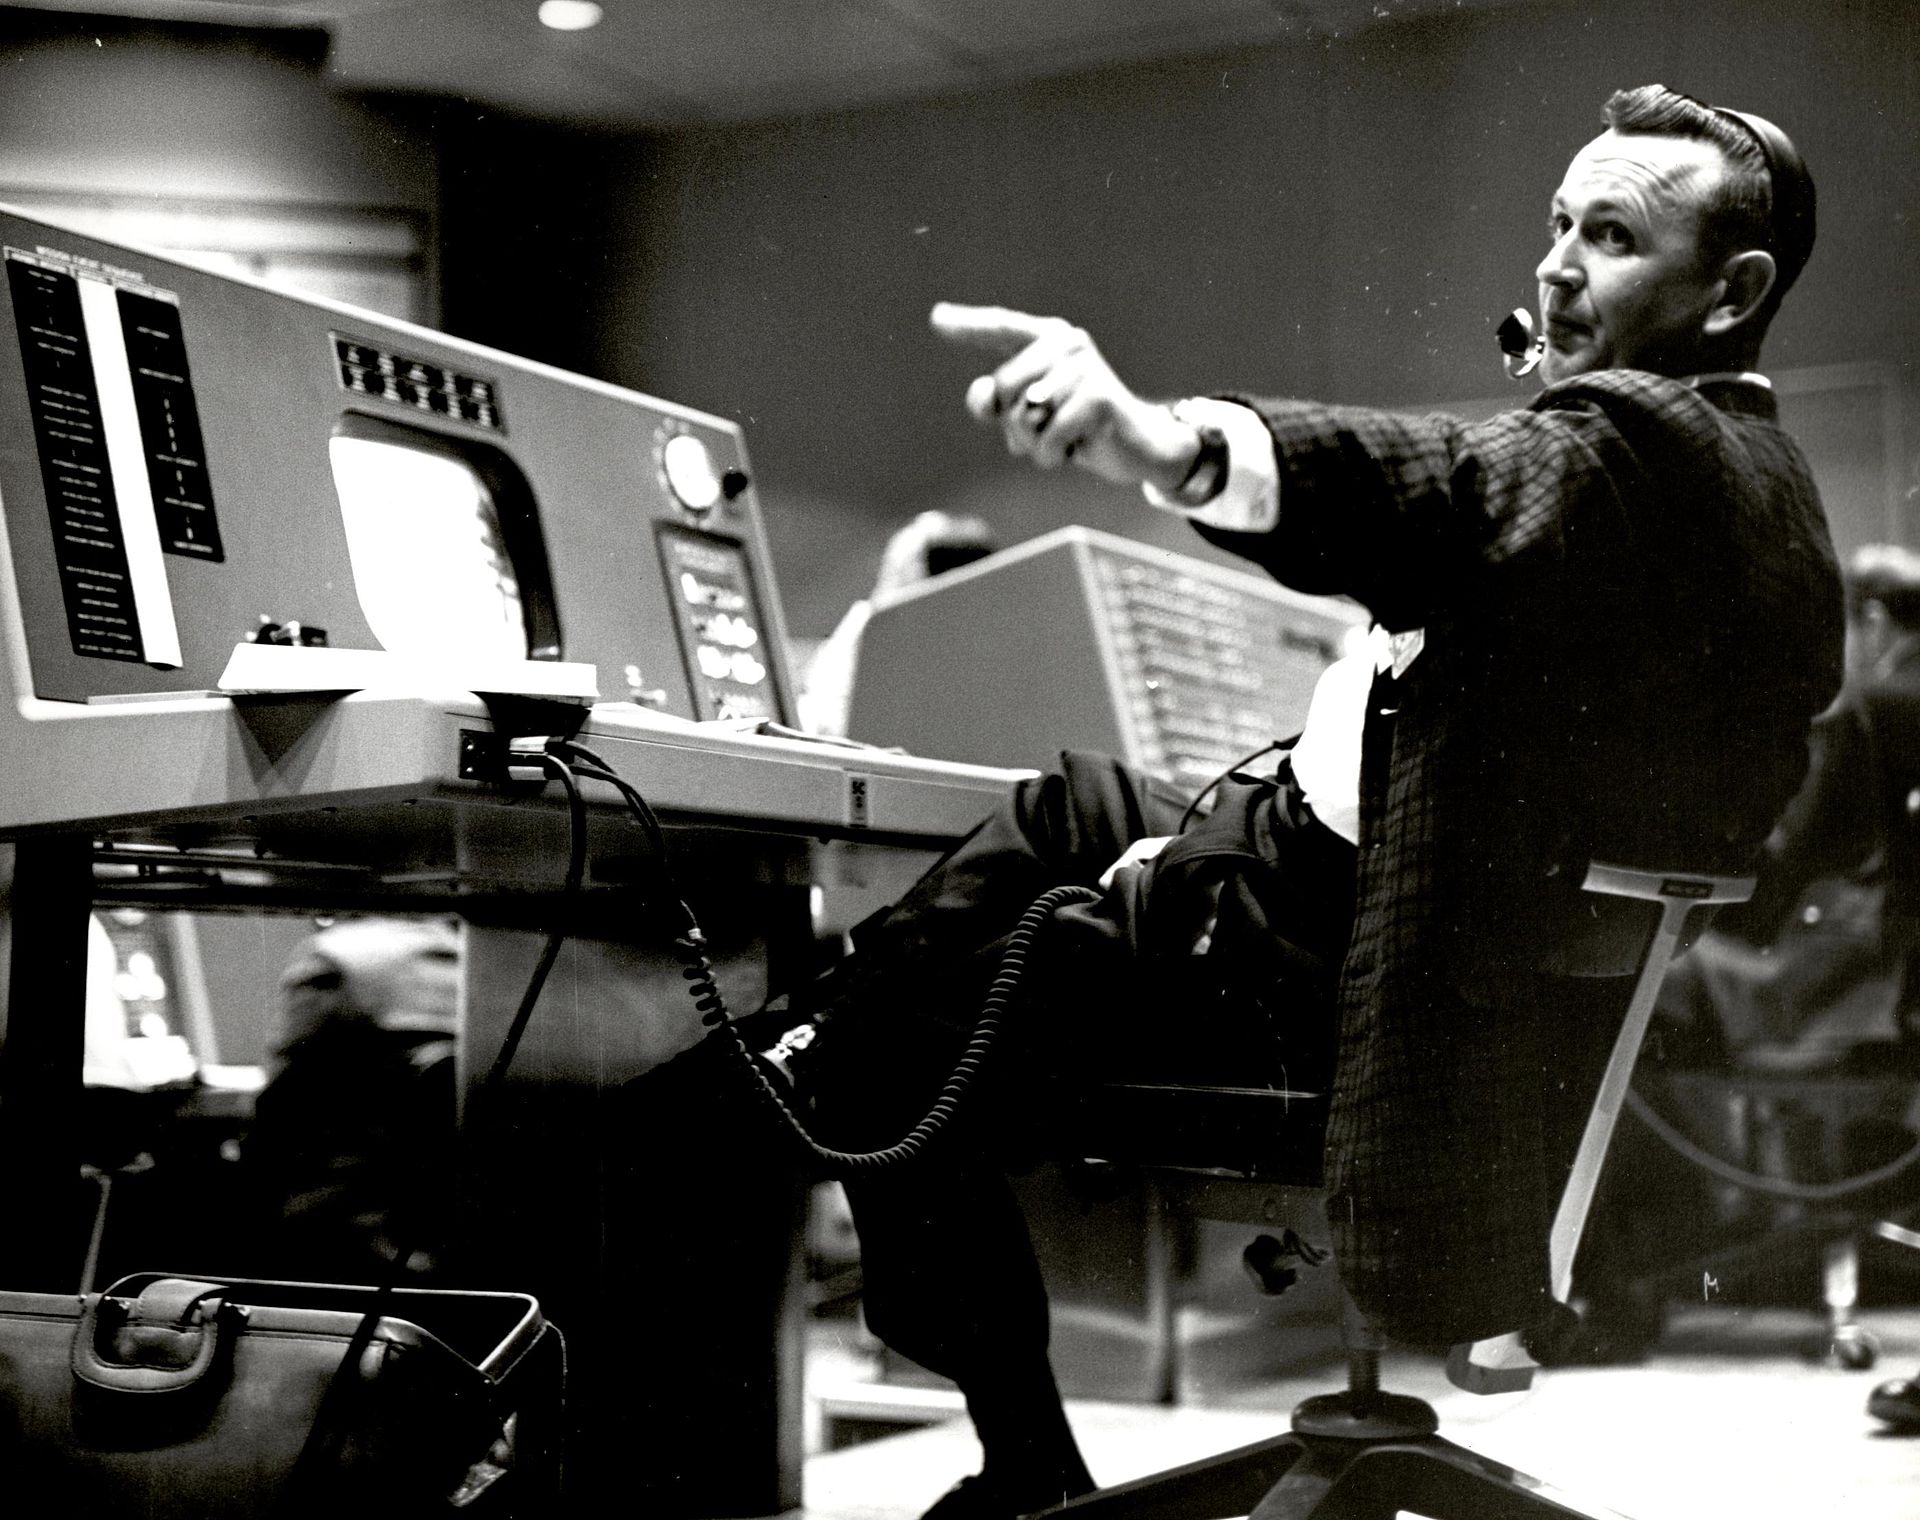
(1741, 212)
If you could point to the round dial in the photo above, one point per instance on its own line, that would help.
(691, 476)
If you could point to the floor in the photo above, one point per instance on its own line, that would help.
(1729, 1417)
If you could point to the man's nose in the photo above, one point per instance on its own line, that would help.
(1559, 266)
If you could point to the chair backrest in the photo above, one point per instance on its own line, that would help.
(1501, 1365)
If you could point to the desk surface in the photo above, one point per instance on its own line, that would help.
(370, 785)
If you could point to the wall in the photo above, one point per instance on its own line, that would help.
(105, 107)
(224, 146)
(1346, 217)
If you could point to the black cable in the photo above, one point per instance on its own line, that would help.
(636, 804)
(940, 1114)
(560, 771)
(1754, 1182)
(1194, 806)
(320, 1451)
(689, 947)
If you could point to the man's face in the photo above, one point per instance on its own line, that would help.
(1625, 284)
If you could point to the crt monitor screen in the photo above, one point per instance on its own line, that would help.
(424, 541)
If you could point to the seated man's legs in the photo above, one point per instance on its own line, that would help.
(950, 1279)
(949, 1275)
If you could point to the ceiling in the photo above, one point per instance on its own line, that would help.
(679, 62)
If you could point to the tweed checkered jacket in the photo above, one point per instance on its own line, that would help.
(1631, 614)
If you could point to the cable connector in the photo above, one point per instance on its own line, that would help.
(499, 761)
(526, 757)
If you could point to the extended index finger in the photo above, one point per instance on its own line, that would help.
(999, 328)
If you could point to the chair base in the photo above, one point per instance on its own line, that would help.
(1296, 1477)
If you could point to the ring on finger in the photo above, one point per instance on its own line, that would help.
(1036, 408)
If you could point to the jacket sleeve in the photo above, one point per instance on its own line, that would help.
(1398, 511)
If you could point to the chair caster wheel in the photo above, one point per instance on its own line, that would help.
(1898, 1404)
(1853, 1349)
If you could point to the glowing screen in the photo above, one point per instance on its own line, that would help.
(424, 540)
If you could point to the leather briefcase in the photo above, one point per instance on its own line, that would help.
(176, 1398)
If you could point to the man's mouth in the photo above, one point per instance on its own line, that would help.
(1564, 332)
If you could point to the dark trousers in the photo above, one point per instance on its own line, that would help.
(1115, 989)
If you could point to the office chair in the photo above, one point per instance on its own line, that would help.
(1803, 1126)
(1366, 1454)
(1789, 1145)
(1803, 1131)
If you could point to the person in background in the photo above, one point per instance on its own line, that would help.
(1823, 964)
(931, 544)
(349, 1158)
(1884, 643)
(1817, 969)
(1813, 975)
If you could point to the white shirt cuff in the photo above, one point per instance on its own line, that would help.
(1249, 501)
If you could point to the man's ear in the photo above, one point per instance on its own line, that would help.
(1745, 279)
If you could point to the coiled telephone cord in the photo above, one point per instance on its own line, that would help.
(966, 1071)
(689, 948)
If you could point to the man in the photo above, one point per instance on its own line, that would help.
(1605, 623)
(349, 1159)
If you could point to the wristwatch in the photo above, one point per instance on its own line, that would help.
(1208, 474)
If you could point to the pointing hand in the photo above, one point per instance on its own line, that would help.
(1055, 398)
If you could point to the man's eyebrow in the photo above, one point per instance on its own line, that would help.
(1601, 205)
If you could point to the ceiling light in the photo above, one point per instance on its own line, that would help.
(570, 15)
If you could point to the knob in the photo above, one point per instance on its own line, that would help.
(688, 466)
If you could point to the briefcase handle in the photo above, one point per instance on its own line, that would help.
(172, 1336)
